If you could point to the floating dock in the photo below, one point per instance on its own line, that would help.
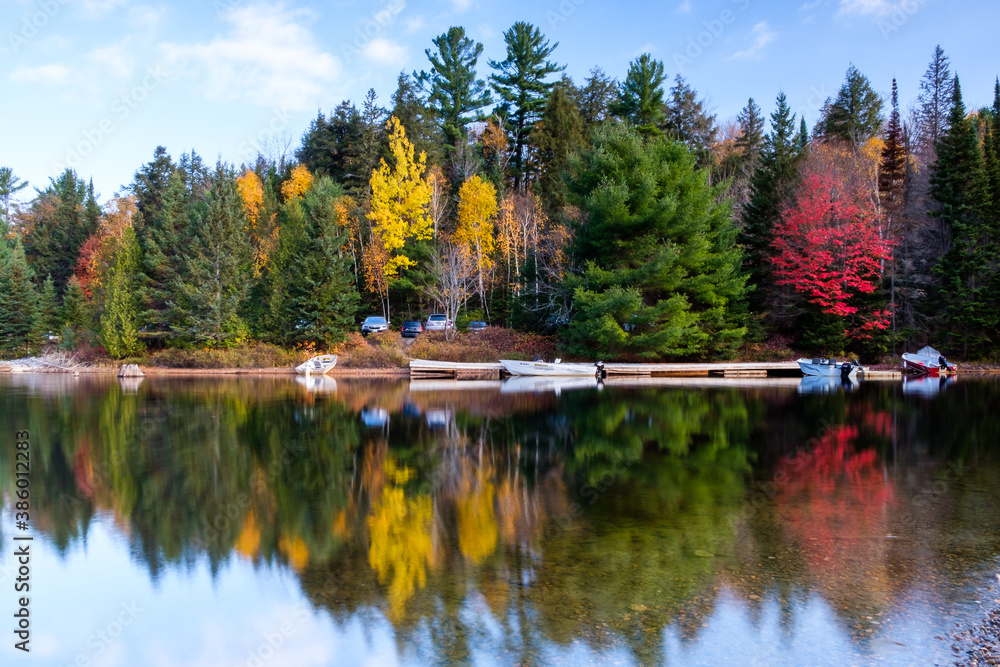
(421, 369)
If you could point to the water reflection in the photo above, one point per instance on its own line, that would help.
(632, 523)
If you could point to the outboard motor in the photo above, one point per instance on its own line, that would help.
(601, 373)
(944, 363)
(845, 372)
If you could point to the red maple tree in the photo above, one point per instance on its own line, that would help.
(829, 248)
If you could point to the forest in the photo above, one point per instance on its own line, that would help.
(622, 217)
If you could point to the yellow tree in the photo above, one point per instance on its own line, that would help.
(298, 182)
(263, 232)
(477, 207)
(399, 201)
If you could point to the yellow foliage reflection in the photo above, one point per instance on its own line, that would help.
(248, 542)
(296, 551)
(400, 539)
(477, 520)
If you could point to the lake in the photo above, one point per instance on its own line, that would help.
(278, 521)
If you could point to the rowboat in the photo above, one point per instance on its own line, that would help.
(927, 361)
(828, 367)
(317, 365)
(546, 368)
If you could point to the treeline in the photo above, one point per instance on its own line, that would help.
(621, 215)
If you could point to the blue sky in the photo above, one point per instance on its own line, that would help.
(98, 84)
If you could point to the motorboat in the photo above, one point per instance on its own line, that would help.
(829, 367)
(551, 368)
(928, 361)
(320, 365)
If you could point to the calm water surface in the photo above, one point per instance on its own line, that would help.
(267, 522)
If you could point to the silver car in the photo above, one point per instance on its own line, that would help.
(374, 324)
(438, 322)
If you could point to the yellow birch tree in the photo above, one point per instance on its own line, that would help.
(477, 207)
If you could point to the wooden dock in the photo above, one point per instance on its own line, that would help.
(421, 369)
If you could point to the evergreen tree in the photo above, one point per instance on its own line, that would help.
(418, 120)
(959, 187)
(661, 276)
(640, 98)
(557, 137)
(372, 145)
(10, 185)
(73, 313)
(18, 301)
(770, 186)
(214, 276)
(454, 91)
(751, 137)
(330, 144)
(686, 121)
(596, 97)
(892, 171)
(162, 252)
(148, 186)
(937, 90)
(119, 319)
(802, 140)
(855, 115)
(46, 312)
(520, 81)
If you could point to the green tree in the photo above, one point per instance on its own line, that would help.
(214, 276)
(556, 137)
(73, 312)
(322, 298)
(10, 185)
(410, 107)
(453, 89)
(120, 317)
(687, 121)
(855, 115)
(771, 183)
(661, 271)
(520, 81)
(46, 312)
(18, 300)
(937, 90)
(331, 142)
(640, 98)
(596, 97)
(959, 187)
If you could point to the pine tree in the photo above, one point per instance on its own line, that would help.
(18, 302)
(892, 189)
(454, 91)
(119, 319)
(770, 186)
(960, 188)
(557, 136)
(148, 187)
(596, 98)
(73, 313)
(331, 143)
(162, 252)
(214, 275)
(46, 312)
(10, 185)
(661, 276)
(520, 81)
(751, 138)
(855, 115)
(371, 146)
(418, 120)
(640, 97)
(686, 121)
(937, 90)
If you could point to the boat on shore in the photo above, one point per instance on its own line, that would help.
(927, 361)
(320, 365)
(828, 367)
(553, 368)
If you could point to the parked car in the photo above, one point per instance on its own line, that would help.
(438, 322)
(374, 324)
(477, 325)
(411, 329)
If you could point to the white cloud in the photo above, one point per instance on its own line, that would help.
(384, 52)
(414, 23)
(461, 5)
(44, 74)
(145, 17)
(760, 36)
(685, 7)
(96, 7)
(268, 58)
(114, 60)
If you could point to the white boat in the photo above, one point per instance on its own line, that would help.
(317, 365)
(543, 385)
(828, 367)
(546, 368)
(927, 361)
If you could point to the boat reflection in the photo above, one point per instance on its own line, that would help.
(926, 386)
(319, 384)
(543, 385)
(818, 384)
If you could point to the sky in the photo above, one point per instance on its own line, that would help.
(96, 85)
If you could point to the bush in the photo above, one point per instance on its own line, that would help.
(381, 350)
(257, 355)
(485, 346)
